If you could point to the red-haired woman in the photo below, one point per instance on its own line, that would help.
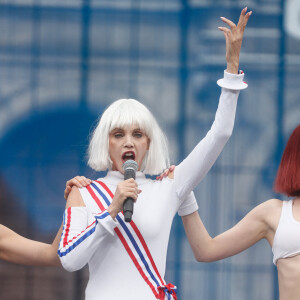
(274, 220)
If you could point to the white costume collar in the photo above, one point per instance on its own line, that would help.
(114, 177)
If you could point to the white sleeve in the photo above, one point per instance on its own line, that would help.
(82, 235)
(188, 205)
(193, 169)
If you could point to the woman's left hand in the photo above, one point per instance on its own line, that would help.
(234, 38)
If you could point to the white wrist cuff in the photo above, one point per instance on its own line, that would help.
(233, 81)
(105, 220)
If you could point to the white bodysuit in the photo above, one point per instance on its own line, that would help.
(287, 236)
(89, 237)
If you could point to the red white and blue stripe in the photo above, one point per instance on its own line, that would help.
(129, 235)
(134, 244)
(69, 242)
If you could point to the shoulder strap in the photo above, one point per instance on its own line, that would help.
(134, 244)
(286, 210)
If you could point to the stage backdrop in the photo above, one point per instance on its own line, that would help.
(63, 62)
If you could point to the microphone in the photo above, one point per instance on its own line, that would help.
(129, 167)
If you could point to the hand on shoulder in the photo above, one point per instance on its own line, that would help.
(167, 173)
(79, 181)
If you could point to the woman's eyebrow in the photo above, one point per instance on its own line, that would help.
(117, 129)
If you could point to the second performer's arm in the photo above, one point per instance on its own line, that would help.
(20, 250)
(252, 228)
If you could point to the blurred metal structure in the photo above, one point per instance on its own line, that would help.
(63, 62)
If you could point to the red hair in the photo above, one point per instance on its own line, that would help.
(288, 175)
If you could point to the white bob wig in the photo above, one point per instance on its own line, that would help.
(122, 113)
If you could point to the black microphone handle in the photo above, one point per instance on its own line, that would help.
(128, 203)
(129, 173)
(128, 209)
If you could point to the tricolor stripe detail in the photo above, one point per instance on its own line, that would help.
(132, 241)
(136, 230)
(140, 237)
(67, 230)
(135, 261)
(71, 243)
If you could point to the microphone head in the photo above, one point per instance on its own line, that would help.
(130, 164)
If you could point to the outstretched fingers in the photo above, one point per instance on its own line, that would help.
(243, 20)
(234, 37)
(236, 31)
(242, 23)
(229, 23)
(225, 30)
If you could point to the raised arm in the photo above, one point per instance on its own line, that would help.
(193, 169)
(20, 250)
(255, 226)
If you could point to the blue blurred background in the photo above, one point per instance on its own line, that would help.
(62, 62)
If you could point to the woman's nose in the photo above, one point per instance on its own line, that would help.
(128, 142)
